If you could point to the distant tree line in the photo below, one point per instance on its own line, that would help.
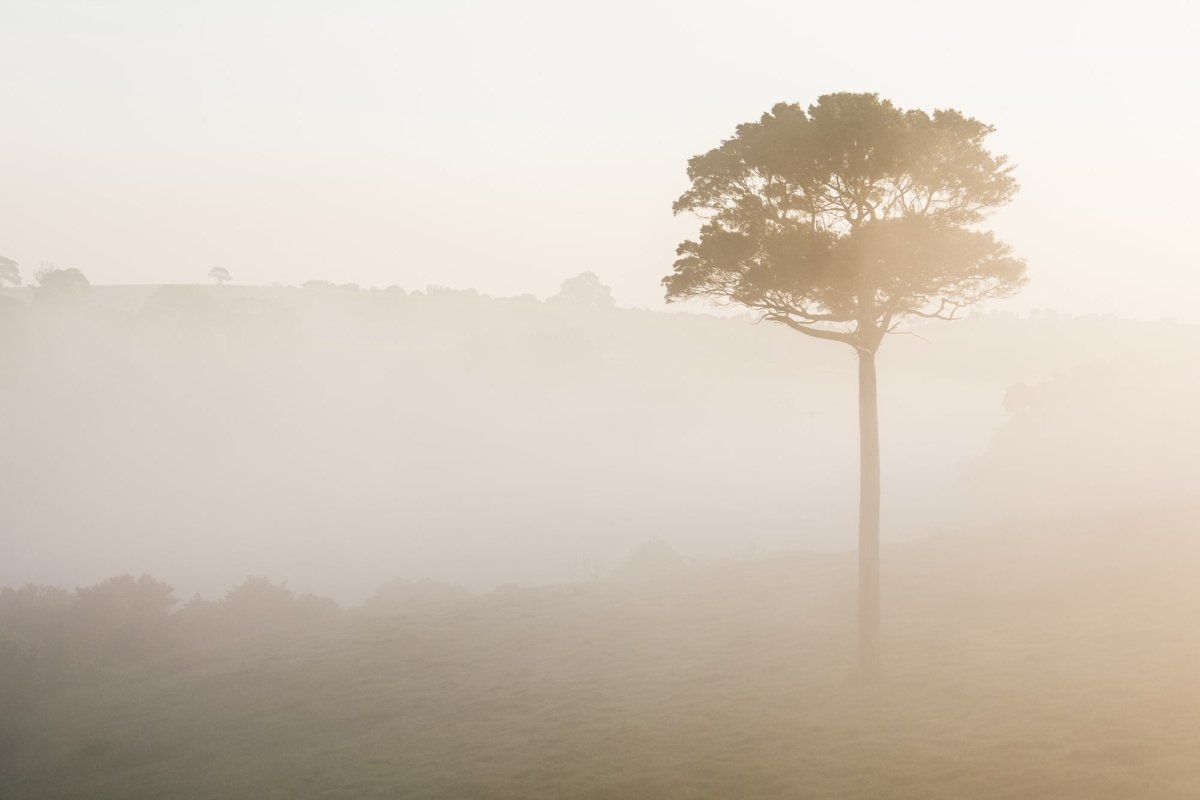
(53, 286)
(62, 287)
(51, 637)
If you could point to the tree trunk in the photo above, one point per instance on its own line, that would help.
(868, 518)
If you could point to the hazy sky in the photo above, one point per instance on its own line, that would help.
(506, 146)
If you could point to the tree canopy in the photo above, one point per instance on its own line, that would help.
(585, 289)
(841, 220)
(61, 286)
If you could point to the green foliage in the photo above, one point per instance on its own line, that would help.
(843, 220)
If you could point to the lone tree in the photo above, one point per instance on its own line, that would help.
(585, 289)
(840, 222)
(219, 274)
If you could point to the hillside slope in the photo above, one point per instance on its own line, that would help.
(343, 438)
(1061, 660)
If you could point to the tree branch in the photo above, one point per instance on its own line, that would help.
(817, 333)
(946, 311)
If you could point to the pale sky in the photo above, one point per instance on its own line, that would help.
(506, 146)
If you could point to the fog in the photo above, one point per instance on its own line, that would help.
(394, 510)
(533, 400)
(339, 437)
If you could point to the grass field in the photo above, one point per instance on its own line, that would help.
(1058, 661)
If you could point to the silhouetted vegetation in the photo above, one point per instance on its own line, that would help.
(350, 450)
(61, 287)
(841, 223)
(584, 290)
(726, 679)
(51, 638)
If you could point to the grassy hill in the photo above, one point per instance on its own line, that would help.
(1061, 660)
